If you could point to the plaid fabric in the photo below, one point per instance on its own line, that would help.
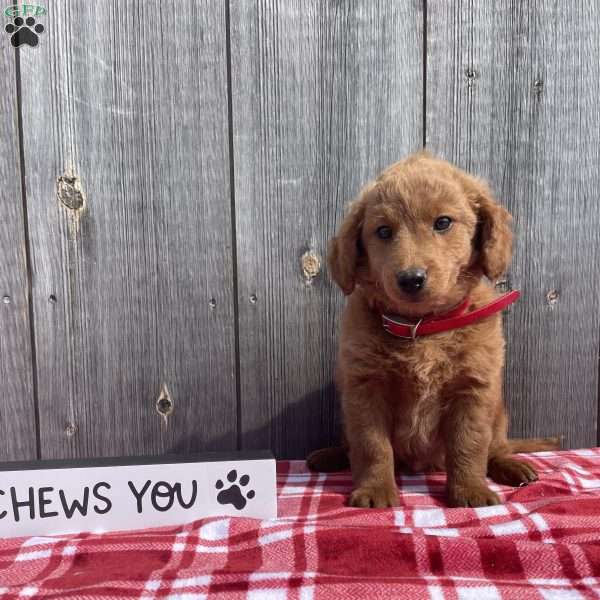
(543, 542)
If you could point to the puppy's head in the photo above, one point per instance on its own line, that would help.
(420, 237)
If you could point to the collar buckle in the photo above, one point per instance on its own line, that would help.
(412, 326)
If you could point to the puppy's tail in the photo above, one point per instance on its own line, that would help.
(329, 460)
(534, 444)
(335, 458)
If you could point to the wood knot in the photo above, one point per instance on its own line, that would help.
(164, 404)
(311, 265)
(68, 190)
(552, 297)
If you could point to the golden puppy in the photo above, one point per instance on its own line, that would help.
(414, 249)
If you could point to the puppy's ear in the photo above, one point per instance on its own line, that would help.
(494, 235)
(344, 249)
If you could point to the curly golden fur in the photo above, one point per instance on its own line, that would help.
(435, 402)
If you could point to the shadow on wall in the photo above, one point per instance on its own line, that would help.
(313, 422)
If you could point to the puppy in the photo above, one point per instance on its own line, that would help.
(416, 245)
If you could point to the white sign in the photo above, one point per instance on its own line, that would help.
(57, 497)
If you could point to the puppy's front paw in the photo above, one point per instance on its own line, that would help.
(472, 495)
(374, 497)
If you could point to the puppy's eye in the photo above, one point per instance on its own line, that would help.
(384, 232)
(442, 223)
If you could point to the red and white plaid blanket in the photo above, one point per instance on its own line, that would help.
(544, 542)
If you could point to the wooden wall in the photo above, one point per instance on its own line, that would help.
(167, 200)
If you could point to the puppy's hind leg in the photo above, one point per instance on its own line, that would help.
(506, 470)
(329, 460)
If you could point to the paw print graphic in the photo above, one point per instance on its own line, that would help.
(234, 494)
(24, 31)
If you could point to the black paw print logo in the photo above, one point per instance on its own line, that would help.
(234, 493)
(24, 32)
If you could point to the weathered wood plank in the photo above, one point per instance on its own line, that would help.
(325, 94)
(133, 103)
(17, 415)
(512, 95)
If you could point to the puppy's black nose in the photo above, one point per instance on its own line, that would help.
(411, 281)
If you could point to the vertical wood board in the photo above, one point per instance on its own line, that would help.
(131, 100)
(17, 411)
(325, 94)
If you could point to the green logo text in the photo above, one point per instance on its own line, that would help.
(24, 10)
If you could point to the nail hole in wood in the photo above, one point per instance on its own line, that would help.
(212, 303)
(52, 299)
(471, 75)
(70, 429)
(6, 299)
(253, 299)
(538, 86)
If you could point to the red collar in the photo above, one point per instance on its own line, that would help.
(454, 319)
